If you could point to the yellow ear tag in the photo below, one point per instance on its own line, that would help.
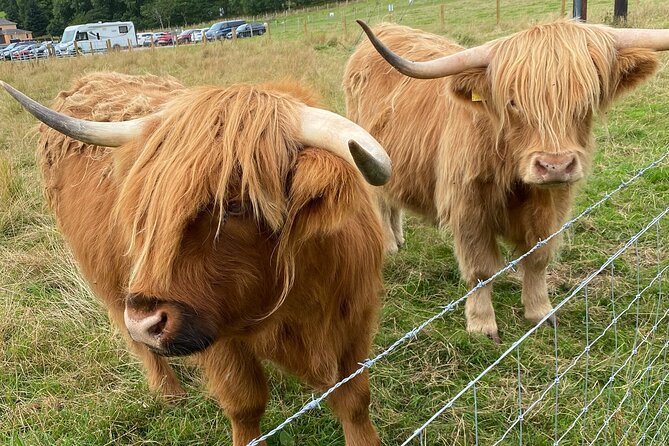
(476, 97)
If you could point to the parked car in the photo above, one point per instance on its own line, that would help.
(221, 29)
(185, 36)
(248, 30)
(24, 52)
(6, 51)
(40, 51)
(14, 52)
(198, 34)
(144, 39)
(162, 38)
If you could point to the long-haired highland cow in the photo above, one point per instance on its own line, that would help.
(229, 223)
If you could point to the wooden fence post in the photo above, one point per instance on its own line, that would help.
(90, 44)
(620, 10)
(130, 44)
(109, 46)
(498, 6)
(76, 48)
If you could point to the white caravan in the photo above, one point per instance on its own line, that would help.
(93, 37)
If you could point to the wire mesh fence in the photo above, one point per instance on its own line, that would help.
(608, 380)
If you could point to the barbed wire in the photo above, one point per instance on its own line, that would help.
(512, 265)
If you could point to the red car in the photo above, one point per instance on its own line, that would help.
(184, 36)
(162, 38)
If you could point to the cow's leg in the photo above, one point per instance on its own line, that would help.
(396, 225)
(159, 374)
(538, 217)
(350, 402)
(535, 291)
(385, 210)
(479, 258)
(236, 379)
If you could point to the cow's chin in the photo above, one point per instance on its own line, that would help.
(551, 184)
(167, 328)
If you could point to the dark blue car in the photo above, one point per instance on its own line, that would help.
(221, 29)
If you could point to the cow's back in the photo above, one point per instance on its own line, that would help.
(407, 116)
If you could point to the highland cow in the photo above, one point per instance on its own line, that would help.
(490, 141)
(229, 223)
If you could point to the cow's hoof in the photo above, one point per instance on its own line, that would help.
(489, 330)
(391, 248)
(552, 321)
(536, 317)
(494, 337)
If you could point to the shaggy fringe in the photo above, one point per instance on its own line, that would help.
(238, 143)
(551, 50)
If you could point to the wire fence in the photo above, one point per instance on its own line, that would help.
(616, 381)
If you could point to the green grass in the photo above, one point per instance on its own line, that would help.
(65, 375)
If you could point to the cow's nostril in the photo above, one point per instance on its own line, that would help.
(159, 327)
(571, 166)
(541, 167)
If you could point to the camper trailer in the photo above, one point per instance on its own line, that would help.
(97, 37)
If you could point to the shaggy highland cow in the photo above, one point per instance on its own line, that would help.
(491, 140)
(229, 223)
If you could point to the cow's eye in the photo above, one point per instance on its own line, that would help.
(234, 208)
(512, 105)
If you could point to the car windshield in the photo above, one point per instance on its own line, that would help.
(68, 36)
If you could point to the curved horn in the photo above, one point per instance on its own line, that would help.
(327, 130)
(444, 66)
(655, 39)
(109, 134)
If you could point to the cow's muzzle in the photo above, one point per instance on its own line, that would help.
(548, 168)
(166, 328)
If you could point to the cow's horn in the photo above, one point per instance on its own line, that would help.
(444, 66)
(109, 134)
(655, 39)
(327, 130)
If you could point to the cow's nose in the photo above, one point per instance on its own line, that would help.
(147, 320)
(551, 168)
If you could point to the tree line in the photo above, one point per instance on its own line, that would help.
(50, 17)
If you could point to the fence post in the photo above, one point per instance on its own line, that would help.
(344, 23)
(620, 10)
(269, 30)
(90, 45)
(130, 44)
(498, 6)
(581, 10)
(305, 26)
(76, 48)
(562, 8)
(153, 43)
(109, 46)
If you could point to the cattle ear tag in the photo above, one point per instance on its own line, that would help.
(476, 97)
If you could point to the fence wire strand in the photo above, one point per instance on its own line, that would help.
(512, 265)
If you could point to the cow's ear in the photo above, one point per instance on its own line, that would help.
(634, 66)
(471, 87)
(324, 193)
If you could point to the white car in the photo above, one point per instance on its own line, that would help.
(197, 34)
(144, 39)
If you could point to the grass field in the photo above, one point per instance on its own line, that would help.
(66, 378)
